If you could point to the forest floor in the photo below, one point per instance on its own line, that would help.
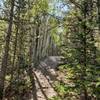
(45, 77)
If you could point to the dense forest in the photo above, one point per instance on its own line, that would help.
(49, 49)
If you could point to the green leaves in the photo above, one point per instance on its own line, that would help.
(55, 98)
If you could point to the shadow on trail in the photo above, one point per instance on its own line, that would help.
(46, 98)
(48, 69)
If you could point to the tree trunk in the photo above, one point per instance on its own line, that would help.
(30, 70)
(31, 75)
(84, 52)
(6, 51)
(98, 5)
(14, 55)
(15, 43)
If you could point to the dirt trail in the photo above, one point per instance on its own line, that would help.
(45, 76)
